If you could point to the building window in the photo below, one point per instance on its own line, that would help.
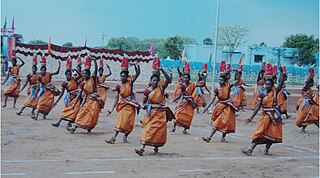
(258, 58)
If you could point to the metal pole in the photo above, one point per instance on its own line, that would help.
(215, 50)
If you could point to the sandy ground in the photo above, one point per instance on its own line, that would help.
(36, 149)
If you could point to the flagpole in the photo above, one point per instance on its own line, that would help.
(215, 51)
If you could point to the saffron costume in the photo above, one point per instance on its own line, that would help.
(13, 83)
(31, 99)
(126, 108)
(155, 119)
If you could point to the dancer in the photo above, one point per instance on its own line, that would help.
(125, 103)
(282, 98)
(13, 80)
(307, 113)
(45, 94)
(259, 88)
(239, 94)
(223, 116)
(32, 79)
(157, 114)
(269, 127)
(198, 93)
(178, 84)
(186, 105)
(78, 70)
(102, 86)
(68, 113)
(91, 104)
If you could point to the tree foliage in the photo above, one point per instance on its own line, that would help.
(162, 46)
(173, 47)
(68, 44)
(307, 46)
(207, 41)
(37, 42)
(231, 37)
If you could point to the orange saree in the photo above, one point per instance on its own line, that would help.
(45, 95)
(102, 88)
(155, 120)
(239, 94)
(13, 83)
(257, 91)
(307, 111)
(223, 115)
(69, 114)
(31, 100)
(185, 109)
(269, 128)
(126, 108)
(88, 115)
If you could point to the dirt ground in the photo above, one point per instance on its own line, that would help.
(36, 149)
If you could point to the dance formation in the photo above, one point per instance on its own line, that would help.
(86, 94)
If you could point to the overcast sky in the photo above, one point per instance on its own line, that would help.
(269, 21)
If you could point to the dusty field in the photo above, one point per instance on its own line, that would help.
(36, 149)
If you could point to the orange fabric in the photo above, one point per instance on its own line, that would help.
(28, 102)
(155, 126)
(102, 90)
(88, 114)
(223, 115)
(126, 112)
(315, 107)
(200, 100)
(185, 109)
(266, 130)
(282, 102)
(45, 102)
(68, 113)
(255, 92)
(307, 114)
(240, 99)
(12, 90)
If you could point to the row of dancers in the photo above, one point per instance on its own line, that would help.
(86, 94)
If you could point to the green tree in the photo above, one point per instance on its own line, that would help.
(173, 47)
(307, 46)
(67, 44)
(231, 37)
(37, 42)
(207, 41)
(188, 40)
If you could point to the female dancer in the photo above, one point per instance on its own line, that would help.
(223, 115)
(239, 94)
(88, 115)
(157, 114)
(32, 79)
(45, 94)
(102, 86)
(269, 127)
(259, 88)
(13, 84)
(186, 105)
(68, 113)
(307, 113)
(178, 84)
(125, 103)
(198, 94)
